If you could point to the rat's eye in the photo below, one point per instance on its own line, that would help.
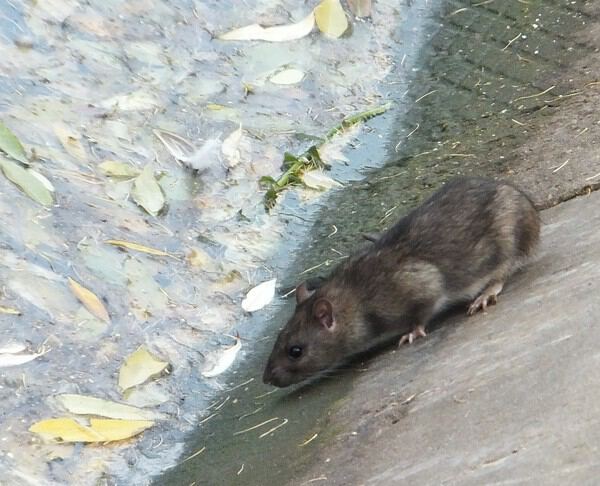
(295, 352)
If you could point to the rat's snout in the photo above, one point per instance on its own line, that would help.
(268, 375)
(274, 376)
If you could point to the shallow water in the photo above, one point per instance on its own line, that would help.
(85, 83)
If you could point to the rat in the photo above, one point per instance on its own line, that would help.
(459, 246)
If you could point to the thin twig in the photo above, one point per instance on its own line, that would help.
(256, 426)
(285, 421)
(560, 166)
(534, 95)
(197, 453)
(425, 95)
(511, 41)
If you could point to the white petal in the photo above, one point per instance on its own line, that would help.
(259, 296)
(223, 360)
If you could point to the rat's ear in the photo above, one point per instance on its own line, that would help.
(323, 312)
(302, 293)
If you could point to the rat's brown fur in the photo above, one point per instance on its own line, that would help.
(460, 245)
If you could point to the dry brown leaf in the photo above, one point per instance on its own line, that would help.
(137, 247)
(90, 301)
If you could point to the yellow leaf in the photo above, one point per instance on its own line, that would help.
(138, 367)
(114, 168)
(331, 18)
(9, 310)
(147, 193)
(70, 140)
(89, 300)
(137, 247)
(119, 429)
(84, 405)
(65, 430)
(100, 430)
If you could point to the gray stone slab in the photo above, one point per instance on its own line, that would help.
(511, 396)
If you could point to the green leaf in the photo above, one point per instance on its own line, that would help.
(314, 156)
(11, 145)
(267, 181)
(27, 180)
(147, 193)
(289, 160)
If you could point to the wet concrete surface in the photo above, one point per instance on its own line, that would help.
(465, 388)
(505, 397)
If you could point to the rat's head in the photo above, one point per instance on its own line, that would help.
(308, 343)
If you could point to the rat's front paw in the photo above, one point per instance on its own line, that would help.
(418, 331)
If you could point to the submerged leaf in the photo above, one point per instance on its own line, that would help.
(360, 8)
(230, 147)
(91, 302)
(45, 182)
(137, 247)
(331, 18)
(8, 359)
(9, 310)
(316, 179)
(287, 76)
(147, 193)
(135, 101)
(70, 140)
(10, 145)
(12, 348)
(112, 168)
(27, 182)
(259, 296)
(139, 367)
(222, 360)
(84, 405)
(100, 430)
(280, 33)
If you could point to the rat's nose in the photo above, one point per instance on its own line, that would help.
(268, 376)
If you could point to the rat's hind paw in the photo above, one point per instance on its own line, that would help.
(488, 296)
(418, 331)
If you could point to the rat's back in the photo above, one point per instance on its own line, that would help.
(471, 229)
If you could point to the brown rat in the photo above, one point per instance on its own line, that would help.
(460, 245)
